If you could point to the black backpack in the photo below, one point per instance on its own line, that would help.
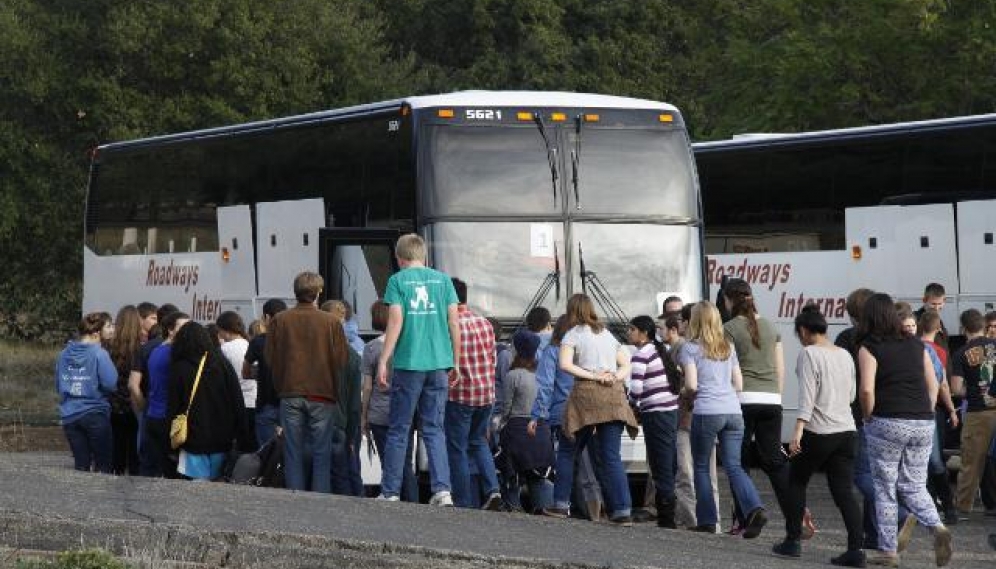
(264, 467)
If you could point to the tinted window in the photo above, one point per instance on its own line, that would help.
(634, 172)
(487, 171)
(166, 194)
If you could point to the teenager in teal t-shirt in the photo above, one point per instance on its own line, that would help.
(424, 295)
(423, 338)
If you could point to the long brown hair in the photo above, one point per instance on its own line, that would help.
(340, 351)
(581, 312)
(127, 337)
(738, 292)
(706, 328)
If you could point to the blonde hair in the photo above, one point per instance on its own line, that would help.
(581, 312)
(706, 328)
(307, 286)
(256, 328)
(410, 247)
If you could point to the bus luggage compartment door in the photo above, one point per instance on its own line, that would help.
(238, 261)
(287, 244)
(902, 249)
(976, 256)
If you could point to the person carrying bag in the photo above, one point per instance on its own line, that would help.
(178, 428)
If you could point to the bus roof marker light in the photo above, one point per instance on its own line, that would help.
(524, 116)
(856, 252)
(558, 117)
(591, 118)
(226, 255)
(445, 113)
(666, 117)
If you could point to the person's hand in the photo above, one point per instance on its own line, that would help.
(382, 376)
(953, 418)
(795, 446)
(454, 377)
(531, 428)
(605, 378)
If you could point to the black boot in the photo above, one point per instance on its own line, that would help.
(941, 487)
(665, 513)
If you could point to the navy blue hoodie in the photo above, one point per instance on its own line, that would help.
(84, 376)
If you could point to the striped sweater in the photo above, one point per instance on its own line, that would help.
(649, 390)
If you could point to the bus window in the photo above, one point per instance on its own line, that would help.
(487, 170)
(938, 162)
(650, 167)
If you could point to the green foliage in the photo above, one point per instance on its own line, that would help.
(77, 74)
(79, 559)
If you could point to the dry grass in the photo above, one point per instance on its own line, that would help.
(27, 382)
(28, 400)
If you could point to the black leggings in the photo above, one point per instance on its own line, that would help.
(763, 426)
(835, 452)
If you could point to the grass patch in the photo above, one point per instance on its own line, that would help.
(81, 559)
(27, 382)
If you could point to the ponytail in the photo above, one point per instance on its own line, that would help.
(738, 292)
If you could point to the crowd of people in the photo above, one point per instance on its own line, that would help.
(537, 425)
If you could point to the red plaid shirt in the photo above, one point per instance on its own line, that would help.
(477, 361)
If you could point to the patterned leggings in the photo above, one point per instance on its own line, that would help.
(898, 450)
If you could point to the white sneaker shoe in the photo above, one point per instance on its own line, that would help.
(493, 502)
(384, 498)
(441, 498)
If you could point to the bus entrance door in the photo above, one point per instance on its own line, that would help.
(238, 261)
(356, 263)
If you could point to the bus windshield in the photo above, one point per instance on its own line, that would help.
(504, 171)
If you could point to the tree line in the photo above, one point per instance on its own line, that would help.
(77, 74)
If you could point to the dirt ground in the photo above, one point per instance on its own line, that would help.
(19, 438)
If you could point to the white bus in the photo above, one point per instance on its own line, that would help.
(812, 216)
(527, 196)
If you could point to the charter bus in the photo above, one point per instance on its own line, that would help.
(809, 217)
(529, 197)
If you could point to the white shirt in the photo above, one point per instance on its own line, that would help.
(235, 352)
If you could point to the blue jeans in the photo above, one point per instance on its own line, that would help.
(660, 433)
(409, 482)
(426, 391)
(865, 484)
(267, 419)
(307, 423)
(564, 467)
(340, 474)
(730, 431)
(91, 442)
(466, 441)
(616, 490)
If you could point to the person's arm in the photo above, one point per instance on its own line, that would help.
(637, 374)
(135, 391)
(510, 389)
(868, 366)
(622, 364)
(367, 391)
(395, 319)
(107, 374)
(737, 375)
(546, 371)
(567, 364)
(780, 366)
(931, 378)
(944, 393)
(691, 379)
(453, 318)
(795, 445)
(957, 385)
(807, 387)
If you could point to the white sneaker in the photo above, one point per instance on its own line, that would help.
(384, 498)
(493, 502)
(441, 498)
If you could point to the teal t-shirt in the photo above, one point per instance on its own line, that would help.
(424, 295)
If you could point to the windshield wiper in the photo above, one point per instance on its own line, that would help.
(551, 153)
(576, 160)
(551, 280)
(592, 286)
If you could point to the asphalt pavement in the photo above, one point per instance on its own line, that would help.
(46, 506)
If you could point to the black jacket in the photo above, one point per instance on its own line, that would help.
(215, 417)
